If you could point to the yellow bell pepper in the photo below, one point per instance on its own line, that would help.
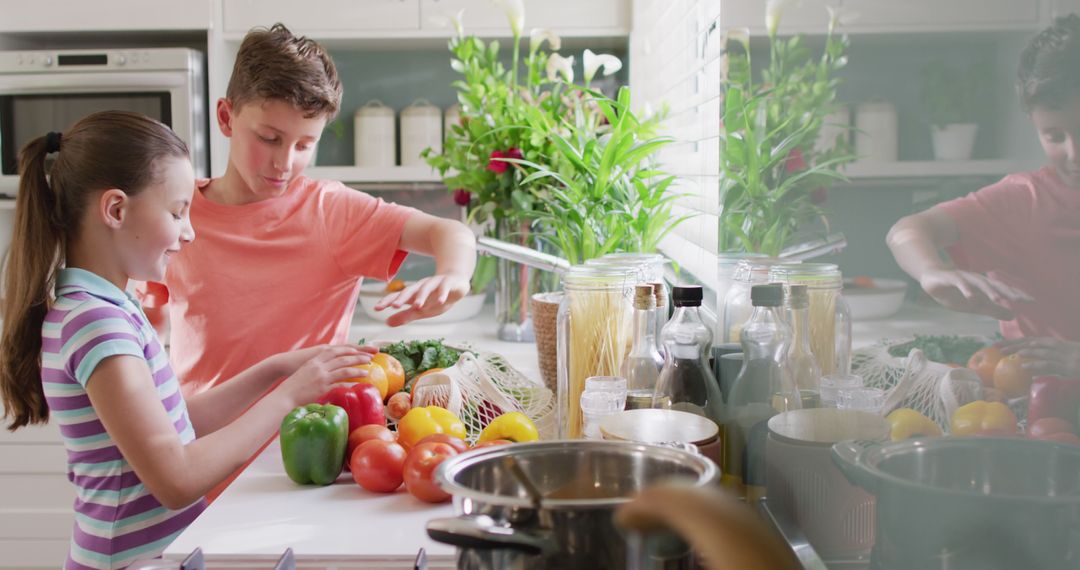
(906, 423)
(984, 418)
(424, 421)
(512, 426)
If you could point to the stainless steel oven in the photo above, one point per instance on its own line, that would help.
(42, 91)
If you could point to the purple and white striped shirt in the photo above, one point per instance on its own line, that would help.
(117, 520)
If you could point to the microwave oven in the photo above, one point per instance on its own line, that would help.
(42, 91)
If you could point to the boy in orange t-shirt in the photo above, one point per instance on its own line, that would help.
(1014, 246)
(279, 258)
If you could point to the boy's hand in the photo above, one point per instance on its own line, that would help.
(426, 298)
(971, 292)
(287, 363)
(326, 366)
(1046, 356)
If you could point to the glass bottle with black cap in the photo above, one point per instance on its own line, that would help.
(686, 383)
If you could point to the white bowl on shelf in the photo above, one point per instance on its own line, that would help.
(465, 309)
(879, 301)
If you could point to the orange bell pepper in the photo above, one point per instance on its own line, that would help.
(984, 418)
(424, 421)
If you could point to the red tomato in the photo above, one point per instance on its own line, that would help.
(493, 442)
(368, 432)
(1046, 426)
(420, 470)
(457, 443)
(377, 465)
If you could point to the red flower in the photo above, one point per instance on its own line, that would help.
(497, 166)
(462, 197)
(818, 196)
(795, 161)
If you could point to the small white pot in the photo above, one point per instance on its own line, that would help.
(954, 141)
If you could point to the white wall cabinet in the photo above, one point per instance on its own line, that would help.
(565, 17)
(892, 16)
(103, 15)
(315, 17)
(35, 498)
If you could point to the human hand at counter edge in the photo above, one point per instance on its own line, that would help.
(971, 292)
(1046, 356)
(328, 365)
(427, 297)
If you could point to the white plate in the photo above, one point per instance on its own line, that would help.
(882, 300)
(371, 292)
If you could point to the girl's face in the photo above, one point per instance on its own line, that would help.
(158, 223)
(1059, 134)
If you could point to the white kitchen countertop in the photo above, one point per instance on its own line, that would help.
(339, 526)
(342, 526)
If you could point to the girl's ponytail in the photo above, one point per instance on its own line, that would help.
(29, 276)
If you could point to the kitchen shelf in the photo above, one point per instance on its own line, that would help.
(366, 174)
(933, 168)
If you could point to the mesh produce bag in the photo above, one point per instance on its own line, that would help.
(482, 386)
(931, 388)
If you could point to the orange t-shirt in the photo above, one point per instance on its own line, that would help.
(275, 275)
(1025, 231)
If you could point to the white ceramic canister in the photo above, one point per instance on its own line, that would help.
(375, 136)
(421, 128)
(451, 117)
(876, 132)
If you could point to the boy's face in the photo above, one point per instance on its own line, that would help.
(272, 143)
(1059, 134)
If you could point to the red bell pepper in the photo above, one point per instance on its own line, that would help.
(362, 402)
(1053, 397)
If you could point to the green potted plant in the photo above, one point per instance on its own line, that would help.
(949, 98)
(774, 179)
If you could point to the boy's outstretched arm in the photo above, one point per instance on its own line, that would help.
(915, 241)
(453, 246)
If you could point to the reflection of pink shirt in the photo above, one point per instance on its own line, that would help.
(274, 275)
(1025, 231)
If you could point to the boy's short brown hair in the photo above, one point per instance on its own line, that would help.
(1049, 71)
(275, 64)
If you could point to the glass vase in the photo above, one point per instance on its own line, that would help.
(515, 285)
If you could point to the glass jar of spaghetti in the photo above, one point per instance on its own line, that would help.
(594, 330)
(830, 317)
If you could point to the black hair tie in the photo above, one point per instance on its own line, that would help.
(52, 141)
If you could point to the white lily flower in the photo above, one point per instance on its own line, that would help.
(515, 12)
(558, 65)
(840, 16)
(592, 62)
(443, 20)
(741, 35)
(537, 37)
(774, 9)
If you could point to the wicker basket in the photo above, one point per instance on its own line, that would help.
(545, 309)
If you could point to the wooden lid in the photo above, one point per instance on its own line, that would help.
(658, 426)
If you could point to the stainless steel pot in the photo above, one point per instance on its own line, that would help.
(569, 523)
(980, 503)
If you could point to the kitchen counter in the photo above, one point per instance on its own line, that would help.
(344, 527)
(339, 526)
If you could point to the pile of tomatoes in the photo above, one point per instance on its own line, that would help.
(380, 464)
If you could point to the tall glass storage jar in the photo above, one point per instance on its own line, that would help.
(593, 335)
(830, 317)
(737, 307)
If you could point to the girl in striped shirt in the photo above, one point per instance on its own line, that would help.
(76, 346)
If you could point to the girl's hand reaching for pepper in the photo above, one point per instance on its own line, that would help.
(426, 298)
(329, 365)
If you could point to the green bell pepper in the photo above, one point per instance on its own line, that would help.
(313, 441)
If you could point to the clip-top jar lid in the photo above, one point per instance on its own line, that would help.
(421, 108)
(375, 108)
